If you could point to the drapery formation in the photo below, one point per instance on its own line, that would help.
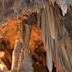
(49, 14)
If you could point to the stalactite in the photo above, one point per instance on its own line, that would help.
(27, 62)
(38, 19)
(53, 33)
(49, 46)
(62, 58)
(43, 26)
(51, 21)
(47, 38)
(27, 59)
(57, 61)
